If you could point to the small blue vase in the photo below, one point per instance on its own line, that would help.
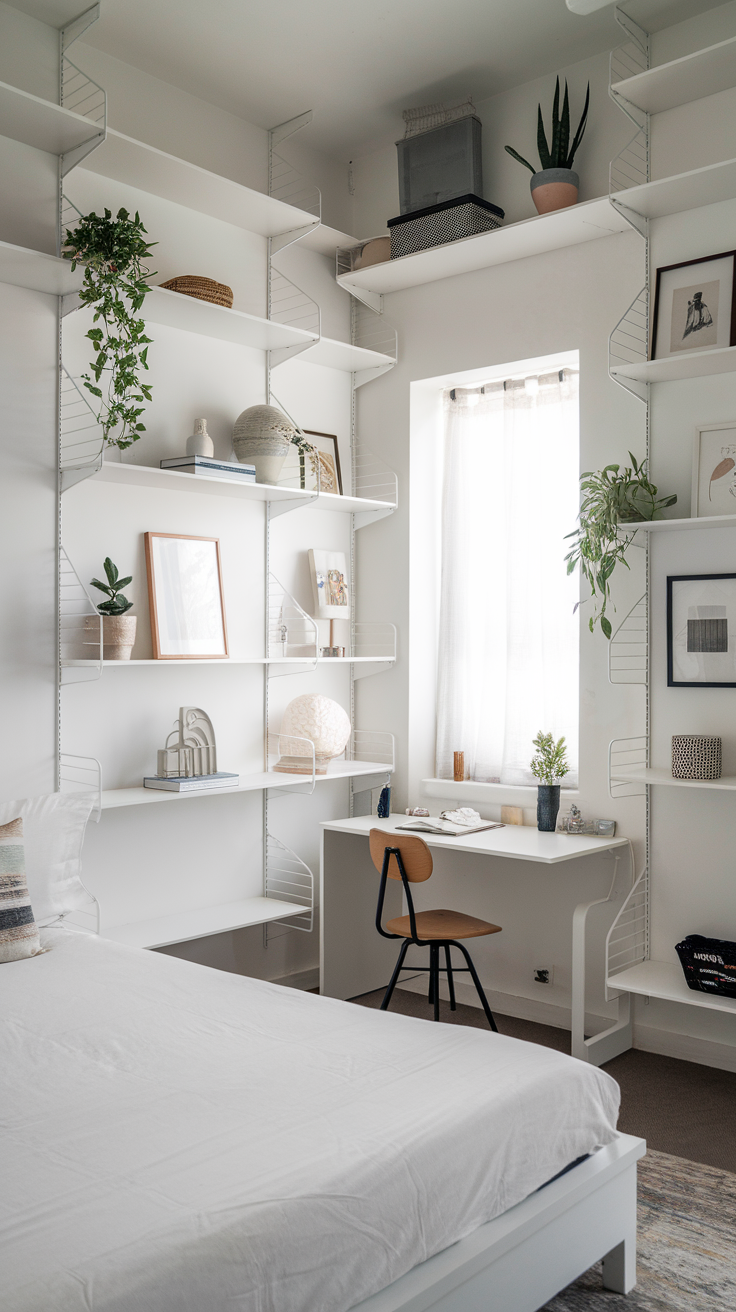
(548, 804)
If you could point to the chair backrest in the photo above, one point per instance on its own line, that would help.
(415, 855)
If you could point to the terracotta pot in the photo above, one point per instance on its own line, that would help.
(118, 636)
(554, 189)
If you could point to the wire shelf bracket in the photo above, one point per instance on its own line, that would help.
(630, 167)
(376, 481)
(628, 650)
(291, 631)
(625, 754)
(627, 941)
(378, 640)
(79, 92)
(81, 439)
(628, 344)
(80, 628)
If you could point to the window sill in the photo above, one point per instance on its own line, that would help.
(501, 794)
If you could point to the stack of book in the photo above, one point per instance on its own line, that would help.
(208, 467)
(192, 783)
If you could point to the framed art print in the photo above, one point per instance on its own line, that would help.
(328, 457)
(714, 470)
(186, 599)
(694, 306)
(701, 631)
(329, 572)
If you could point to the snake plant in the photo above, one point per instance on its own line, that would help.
(559, 154)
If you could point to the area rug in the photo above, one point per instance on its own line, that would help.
(686, 1245)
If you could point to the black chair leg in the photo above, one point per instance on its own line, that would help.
(435, 960)
(479, 988)
(400, 961)
(430, 976)
(450, 980)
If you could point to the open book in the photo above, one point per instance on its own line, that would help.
(439, 826)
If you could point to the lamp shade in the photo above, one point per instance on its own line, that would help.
(320, 721)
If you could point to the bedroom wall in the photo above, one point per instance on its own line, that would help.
(567, 300)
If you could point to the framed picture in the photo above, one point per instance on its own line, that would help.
(330, 585)
(694, 306)
(714, 470)
(701, 631)
(185, 595)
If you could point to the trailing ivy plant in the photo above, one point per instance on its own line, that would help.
(610, 498)
(116, 603)
(549, 762)
(112, 251)
(559, 154)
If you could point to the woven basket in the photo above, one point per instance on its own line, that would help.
(203, 289)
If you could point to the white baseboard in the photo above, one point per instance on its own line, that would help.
(299, 979)
(668, 1043)
(511, 1004)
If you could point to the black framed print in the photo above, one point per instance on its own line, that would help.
(701, 631)
(695, 306)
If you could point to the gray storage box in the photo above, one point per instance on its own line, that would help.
(439, 224)
(440, 165)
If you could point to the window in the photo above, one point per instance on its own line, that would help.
(508, 635)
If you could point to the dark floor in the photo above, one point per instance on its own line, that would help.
(677, 1106)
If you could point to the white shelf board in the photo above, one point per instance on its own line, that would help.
(689, 364)
(149, 169)
(694, 76)
(190, 315)
(682, 191)
(40, 123)
(113, 798)
(545, 232)
(664, 979)
(677, 525)
(326, 240)
(250, 660)
(649, 775)
(341, 355)
(22, 267)
(172, 480)
(201, 922)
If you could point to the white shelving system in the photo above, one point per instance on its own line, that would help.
(629, 967)
(289, 212)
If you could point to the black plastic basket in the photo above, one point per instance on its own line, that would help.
(709, 964)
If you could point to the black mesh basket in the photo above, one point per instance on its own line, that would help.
(709, 964)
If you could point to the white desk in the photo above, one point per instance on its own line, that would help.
(354, 959)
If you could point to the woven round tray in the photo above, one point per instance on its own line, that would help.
(204, 289)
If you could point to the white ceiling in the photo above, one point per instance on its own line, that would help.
(356, 64)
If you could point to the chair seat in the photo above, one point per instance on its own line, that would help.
(442, 925)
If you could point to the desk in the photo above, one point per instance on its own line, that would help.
(354, 959)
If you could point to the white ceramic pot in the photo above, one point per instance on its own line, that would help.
(200, 443)
(554, 189)
(118, 636)
(262, 437)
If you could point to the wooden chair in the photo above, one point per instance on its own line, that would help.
(410, 860)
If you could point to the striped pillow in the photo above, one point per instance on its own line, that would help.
(18, 930)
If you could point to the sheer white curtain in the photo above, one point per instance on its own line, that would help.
(508, 638)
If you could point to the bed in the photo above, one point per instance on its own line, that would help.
(178, 1139)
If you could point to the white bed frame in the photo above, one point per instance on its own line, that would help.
(520, 1260)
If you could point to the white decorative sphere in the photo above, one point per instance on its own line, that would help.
(320, 720)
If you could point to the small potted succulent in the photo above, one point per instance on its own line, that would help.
(118, 628)
(548, 765)
(555, 185)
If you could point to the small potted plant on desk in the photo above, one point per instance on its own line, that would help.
(555, 185)
(548, 765)
(118, 628)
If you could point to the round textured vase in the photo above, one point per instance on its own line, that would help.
(261, 437)
(554, 189)
(548, 804)
(118, 636)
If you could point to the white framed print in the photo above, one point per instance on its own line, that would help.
(701, 631)
(329, 572)
(694, 306)
(186, 598)
(714, 470)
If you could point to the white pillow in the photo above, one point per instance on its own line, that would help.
(53, 830)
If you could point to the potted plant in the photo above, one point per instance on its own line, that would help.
(555, 185)
(118, 628)
(611, 498)
(548, 765)
(112, 252)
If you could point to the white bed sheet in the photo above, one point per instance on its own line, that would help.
(177, 1139)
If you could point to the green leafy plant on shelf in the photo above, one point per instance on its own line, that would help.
(559, 154)
(549, 762)
(112, 251)
(116, 603)
(610, 499)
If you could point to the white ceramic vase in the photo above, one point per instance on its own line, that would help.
(200, 443)
(261, 437)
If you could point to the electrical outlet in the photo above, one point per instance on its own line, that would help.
(544, 974)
